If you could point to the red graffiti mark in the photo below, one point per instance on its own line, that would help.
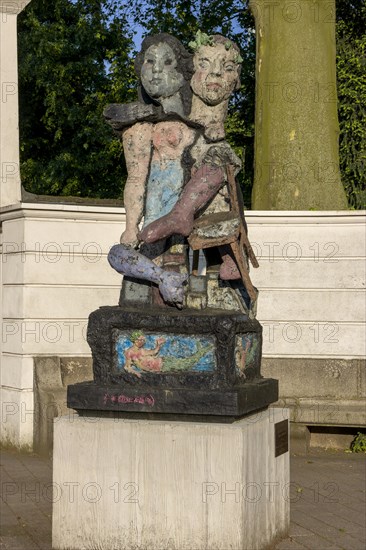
(121, 398)
(150, 400)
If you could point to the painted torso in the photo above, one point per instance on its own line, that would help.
(166, 177)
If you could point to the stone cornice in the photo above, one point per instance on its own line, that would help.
(282, 217)
(13, 7)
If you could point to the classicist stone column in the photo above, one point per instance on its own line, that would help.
(9, 126)
(296, 144)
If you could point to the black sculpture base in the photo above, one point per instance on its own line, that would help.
(231, 402)
(175, 362)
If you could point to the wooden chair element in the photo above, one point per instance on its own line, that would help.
(227, 228)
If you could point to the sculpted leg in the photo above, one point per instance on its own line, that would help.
(200, 189)
(129, 262)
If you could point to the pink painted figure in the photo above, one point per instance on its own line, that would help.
(217, 75)
(144, 359)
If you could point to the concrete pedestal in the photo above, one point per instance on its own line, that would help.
(136, 484)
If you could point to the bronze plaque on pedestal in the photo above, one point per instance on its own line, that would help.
(281, 438)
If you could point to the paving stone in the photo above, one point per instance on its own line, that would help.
(342, 523)
(351, 516)
(315, 542)
(311, 540)
(289, 544)
(318, 526)
(19, 542)
(8, 517)
(4, 476)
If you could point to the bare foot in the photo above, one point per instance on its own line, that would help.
(167, 225)
(229, 270)
(172, 287)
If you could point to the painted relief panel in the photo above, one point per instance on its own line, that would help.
(246, 353)
(138, 352)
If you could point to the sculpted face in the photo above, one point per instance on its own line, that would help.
(159, 75)
(140, 341)
(216, 73)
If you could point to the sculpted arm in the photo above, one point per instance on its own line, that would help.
(155, 351)
(137, 149)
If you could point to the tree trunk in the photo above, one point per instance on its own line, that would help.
(296, 144)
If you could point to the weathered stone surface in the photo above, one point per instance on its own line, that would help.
(216, 76)
(185, 362)
(328, 378)
(121, 116)
(194, 361)
(135, 291)
(323, 411)
(220, 325)
(165, 69)
(320, 391)
(137, 146)
(52, 374)
(168, 484)
(167, 170)
(132, 263)
(234, 402)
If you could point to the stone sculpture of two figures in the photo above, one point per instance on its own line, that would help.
(181, 179)
(204, 357)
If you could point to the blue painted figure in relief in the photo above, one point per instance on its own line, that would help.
(139, 352)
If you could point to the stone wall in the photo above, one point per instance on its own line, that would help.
(312, 308)
(311, 305)
(54, 273)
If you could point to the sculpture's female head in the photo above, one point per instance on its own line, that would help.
(165, 69)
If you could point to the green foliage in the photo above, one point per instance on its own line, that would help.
(351, 71)
(76, 56)
(358, 445)
(74, 59)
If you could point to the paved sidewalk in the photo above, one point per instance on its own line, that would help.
(327, 495)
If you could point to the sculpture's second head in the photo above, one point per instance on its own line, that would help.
(217, 65)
